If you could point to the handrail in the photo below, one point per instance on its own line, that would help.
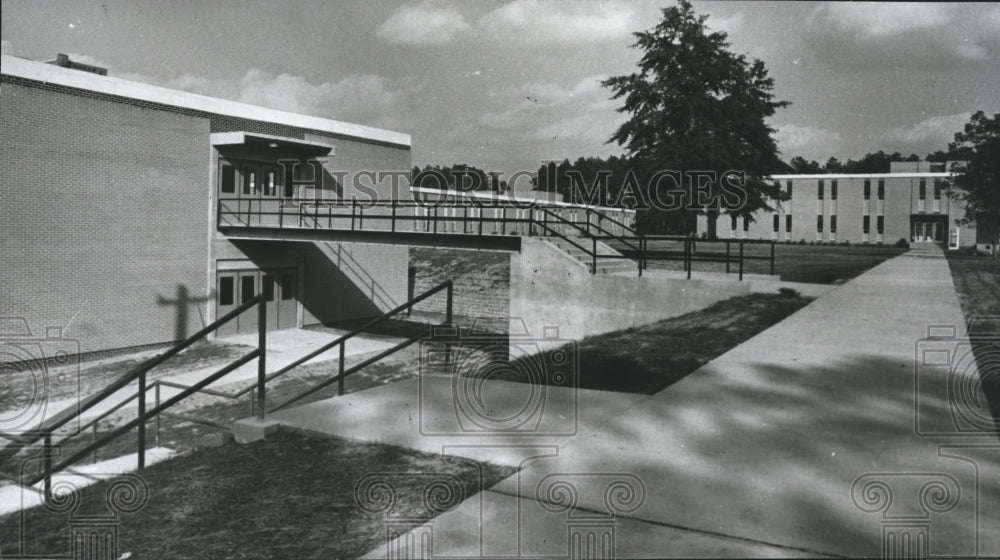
(144, 416)
(341, 376)
(541, 218)
(341, 340)
(138, 373)
(447, 284)
(68, 414)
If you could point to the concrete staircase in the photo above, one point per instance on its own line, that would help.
(619, 265)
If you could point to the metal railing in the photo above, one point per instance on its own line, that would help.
(47, 432)
(257, 391)
(582, 234)
(342, 372)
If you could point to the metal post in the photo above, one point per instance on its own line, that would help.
(727, 256)
(594, 256)
(262, 358)
(316, 216)
(394, 216)
(141, 463)
(641, 254)
(479, 215)
(741, 261)
(47, 465)
(157, 440)
(353, 203)
(340, 375)
(281, 213)
(435, 220)
(772, 258)
(687, 256)
(449, 315)
(503, 220)
(361, 217)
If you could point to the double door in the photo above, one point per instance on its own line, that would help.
(235, 287)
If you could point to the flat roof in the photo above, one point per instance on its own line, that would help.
(50, 73)
(900, 175)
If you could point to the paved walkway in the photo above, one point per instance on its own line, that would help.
(819, 436)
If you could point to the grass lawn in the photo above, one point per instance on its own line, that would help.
(289, 496)
(650, 358)
(977, 281)
(824, 264)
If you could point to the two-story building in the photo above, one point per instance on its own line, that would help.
(912, 202)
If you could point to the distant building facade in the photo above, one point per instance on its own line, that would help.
(912, 202)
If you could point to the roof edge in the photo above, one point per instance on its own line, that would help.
(49, 73)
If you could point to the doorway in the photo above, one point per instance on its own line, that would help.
(236, 287)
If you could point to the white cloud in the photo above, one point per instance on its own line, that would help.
(875, 34)
(938, 130)
(423, 24)
(558, 22)
(876, 19)
(362, 98)
(557, 121)
(729, 25)
(6, 47)
(808, 141)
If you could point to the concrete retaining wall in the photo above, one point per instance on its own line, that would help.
(549, 291)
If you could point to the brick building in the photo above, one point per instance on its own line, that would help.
(911, 202)
(108, 221)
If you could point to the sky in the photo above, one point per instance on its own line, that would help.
(505, 84)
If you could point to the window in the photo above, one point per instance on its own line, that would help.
(866, 224)
(833, 224)
(777, 223)
(249, 181)
(270, 183)
(923, 189)
(268, 287)
(746, 224)
(226, 290)
(868, 189)
(937, 189)
(228, 179)
(287, 286)
(833, 190)
(788, 185)
(819, 224)
(880, 224)
(247, 290)
(881, 189)
(732, 222)
(819, 192)
(788, 223)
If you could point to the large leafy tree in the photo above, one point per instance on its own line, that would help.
(696, 106)
(977, 180)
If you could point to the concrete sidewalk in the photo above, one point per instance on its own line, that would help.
(813, 438)
(283, 348)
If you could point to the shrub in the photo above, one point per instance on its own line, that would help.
(789, 293)
(902, 243)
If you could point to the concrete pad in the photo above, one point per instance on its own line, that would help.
(247, 430)
(767, 441)
(283, 347)
(433, 413)
(493, 524)
(810, 437)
